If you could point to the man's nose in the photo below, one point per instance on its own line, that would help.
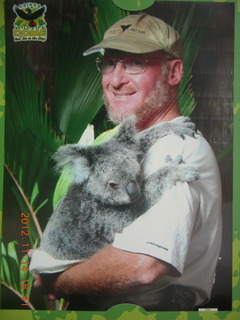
(119, 75)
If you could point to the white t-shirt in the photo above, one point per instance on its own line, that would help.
(184, 227)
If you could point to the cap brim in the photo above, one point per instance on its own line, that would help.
(133, 46)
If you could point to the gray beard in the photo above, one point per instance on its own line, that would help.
(156, 100)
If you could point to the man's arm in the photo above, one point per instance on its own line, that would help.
(109, 271)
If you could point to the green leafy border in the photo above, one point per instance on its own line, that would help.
(2, 102)
(130, 312)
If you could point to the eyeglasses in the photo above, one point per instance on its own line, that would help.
(131, 66)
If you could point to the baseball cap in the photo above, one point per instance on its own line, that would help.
(140, 33)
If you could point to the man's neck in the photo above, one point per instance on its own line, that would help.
(157, 116)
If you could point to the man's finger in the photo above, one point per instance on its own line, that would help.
(30, 253)
(38, 283)
(51, 297)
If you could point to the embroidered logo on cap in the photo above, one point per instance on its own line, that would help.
(125, 27)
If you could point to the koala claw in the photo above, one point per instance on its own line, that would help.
(181, 172)
(168, 158)
(170, 161)
(184, 126)
(190, 174)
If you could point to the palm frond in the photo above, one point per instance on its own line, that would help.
(11, 277)
(77, 94)
(191, 27)
(105, 14)
(25, 204)
(62, 185)
(30, 142)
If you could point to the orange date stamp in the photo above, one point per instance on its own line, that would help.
(25, 247)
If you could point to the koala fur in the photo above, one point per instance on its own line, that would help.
(108, 191)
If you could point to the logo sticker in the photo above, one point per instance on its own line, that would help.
(30, 23)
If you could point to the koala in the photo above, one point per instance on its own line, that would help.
(108, 191)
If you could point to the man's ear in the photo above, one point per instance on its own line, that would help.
(74, 156)
(175, 72)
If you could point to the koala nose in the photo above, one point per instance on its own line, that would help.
(133, 190)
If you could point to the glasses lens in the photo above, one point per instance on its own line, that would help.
(134, 66)
(109, 66)
(131, 66)
(105, 66)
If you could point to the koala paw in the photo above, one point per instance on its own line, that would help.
(188, 174)
(170, 161)
(183, 126)
(180, 171)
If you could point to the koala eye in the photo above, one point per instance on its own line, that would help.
(113, 185)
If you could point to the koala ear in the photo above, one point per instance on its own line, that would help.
(127, 132)
(76, 157)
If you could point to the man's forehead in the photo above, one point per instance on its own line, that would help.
(128, 55)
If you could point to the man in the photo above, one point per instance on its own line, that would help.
(166, 259)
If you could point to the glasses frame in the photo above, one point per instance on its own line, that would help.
(115, 61)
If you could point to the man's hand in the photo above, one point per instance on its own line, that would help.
(45, 282)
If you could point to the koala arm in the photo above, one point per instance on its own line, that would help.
(109, 271)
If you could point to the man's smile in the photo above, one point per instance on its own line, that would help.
(122, 94)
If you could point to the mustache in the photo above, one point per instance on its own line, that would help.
(122, 89)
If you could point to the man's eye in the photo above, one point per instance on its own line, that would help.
(136, 63)
(109, 63)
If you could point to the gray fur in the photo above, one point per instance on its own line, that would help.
(108, 191)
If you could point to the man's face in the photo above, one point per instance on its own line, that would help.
(140, 94)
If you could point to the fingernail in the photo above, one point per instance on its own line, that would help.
(51, 297)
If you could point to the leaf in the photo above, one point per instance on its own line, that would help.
(5, 270)
(13, 264)
(25, 206)
(40, 206)
(10, 266)
(35, 192)
(105, 136)
(62, 186)
(87, 137)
